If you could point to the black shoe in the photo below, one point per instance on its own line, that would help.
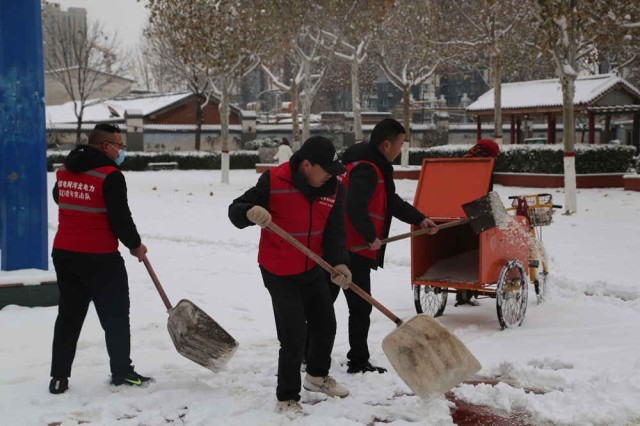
(58, 385)
(131, 379)
(464, 297)
(364, 367)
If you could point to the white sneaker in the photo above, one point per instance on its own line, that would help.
(326, 385)
(290, 408)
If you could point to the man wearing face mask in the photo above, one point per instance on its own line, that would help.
(94, 214)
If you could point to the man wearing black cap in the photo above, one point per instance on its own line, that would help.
(303, 197)
(94, 214)
(371, 204)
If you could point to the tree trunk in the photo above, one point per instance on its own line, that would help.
(199, 116)
(224, 130)
(79, 126)
(295, 137)
(306, 115)
(406, 111)
(404, 158)
(568, 140)
(355, 100)
(497, 97)
(306, 102)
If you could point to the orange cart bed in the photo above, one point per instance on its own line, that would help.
(493, 263)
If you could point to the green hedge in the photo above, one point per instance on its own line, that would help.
(542, 158)
(512, 158)
(137, 161)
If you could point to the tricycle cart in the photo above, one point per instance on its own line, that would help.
(496, 263)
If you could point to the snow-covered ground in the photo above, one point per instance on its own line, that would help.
(581, 347)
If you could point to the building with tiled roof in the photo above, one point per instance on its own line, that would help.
(602, 95)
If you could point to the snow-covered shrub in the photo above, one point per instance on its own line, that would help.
(261, 143)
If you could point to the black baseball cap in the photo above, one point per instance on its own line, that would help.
(320, 150)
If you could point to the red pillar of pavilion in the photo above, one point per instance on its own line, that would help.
(512, 131)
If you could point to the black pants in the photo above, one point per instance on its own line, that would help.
(303, 309)
(359, 309)
(82, 278)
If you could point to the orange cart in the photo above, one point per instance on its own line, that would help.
(494, 263)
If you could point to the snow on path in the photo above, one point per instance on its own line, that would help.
(581, 347)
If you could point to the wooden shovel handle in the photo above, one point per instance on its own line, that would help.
(415, 233)
(327, 267)
(156, 281)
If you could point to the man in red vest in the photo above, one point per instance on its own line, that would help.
(303, 197)
(371, 203)
(93, 215)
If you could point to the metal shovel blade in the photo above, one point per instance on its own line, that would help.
(486, 212)
(427, 357)
(198, 337)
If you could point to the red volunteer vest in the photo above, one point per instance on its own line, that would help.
(377, 210)
(291, 210)
(82, 219)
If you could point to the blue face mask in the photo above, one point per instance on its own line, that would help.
(120, 158)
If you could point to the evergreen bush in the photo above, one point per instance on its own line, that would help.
(546, 159)
(197, 160)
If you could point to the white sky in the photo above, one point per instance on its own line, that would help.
(127, 17)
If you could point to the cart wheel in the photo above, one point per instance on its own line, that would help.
(429, 300)
(511, 295)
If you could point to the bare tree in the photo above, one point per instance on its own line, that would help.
(308, 49)
(358, 36)
(221, 36)
(573, 33)
(486, 28)
(83, 60)
(167, 70)
(409, 53)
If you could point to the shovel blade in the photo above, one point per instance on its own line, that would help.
(198, 337)
(486, 212)
(427, 357)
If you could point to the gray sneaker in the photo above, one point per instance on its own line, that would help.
(326, 385)
(290, 408)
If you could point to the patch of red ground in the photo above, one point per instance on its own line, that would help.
(467, 414)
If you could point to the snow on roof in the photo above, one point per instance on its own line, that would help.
(547, 93)
(98, 110)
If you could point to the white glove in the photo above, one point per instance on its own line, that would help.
(344, 279)
(259, 215)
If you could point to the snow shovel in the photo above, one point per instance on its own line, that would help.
(484, 213)
(195, 334)
(426, 356)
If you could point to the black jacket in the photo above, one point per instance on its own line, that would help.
(333, 240)
(362, 183)
(114, 189)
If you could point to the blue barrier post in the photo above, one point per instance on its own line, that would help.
(23, 170)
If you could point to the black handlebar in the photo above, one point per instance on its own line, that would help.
(555, 206)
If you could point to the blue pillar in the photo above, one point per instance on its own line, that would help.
(23, 172)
